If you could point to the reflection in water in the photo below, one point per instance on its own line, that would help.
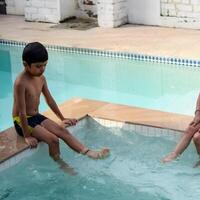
(5, 74)
(5, 90)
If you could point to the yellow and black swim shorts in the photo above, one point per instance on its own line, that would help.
(32, 122)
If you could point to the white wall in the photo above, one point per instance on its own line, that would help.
(112, 13)
(67, 8)
(42, 10)
(144, 12)
(86, 11)
(15, 7)
(180, 13)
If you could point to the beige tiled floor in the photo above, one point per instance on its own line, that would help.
(139, 39)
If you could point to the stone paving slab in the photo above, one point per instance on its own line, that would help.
(10, 144)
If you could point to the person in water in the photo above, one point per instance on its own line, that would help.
(32, 125)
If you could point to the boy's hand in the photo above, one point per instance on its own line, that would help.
(69, 122)
(31, 141)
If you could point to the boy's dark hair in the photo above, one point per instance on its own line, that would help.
(34, 52)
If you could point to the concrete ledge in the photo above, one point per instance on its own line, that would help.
(10, 144)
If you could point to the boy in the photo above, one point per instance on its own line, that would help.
(192, 131)
(28, 122)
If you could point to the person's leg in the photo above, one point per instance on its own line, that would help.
(183, 143)
(42, 134)
(70, 140)
(196, 139)
(64, 134)
(46, 136)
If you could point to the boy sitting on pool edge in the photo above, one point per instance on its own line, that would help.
(28, 122)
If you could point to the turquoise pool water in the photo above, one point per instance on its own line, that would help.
(132, 171)
(149, 85)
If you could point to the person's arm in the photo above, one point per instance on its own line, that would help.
(54, 107)
(51, 102)
(21, 106)
(198, 103)
(197, 112)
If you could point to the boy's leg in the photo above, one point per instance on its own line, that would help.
(52, 140)
(46, 136)
(70, 140)
(64, 134)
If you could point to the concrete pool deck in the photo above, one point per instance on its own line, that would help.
(12, 144)
(150, 40)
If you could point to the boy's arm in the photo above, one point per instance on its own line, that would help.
(51, 102)
(21, 106)
(54, 107)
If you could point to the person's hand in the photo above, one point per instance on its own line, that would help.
(196, 119)
(69, 122)
(31, 141)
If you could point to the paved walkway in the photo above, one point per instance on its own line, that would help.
(139, 39)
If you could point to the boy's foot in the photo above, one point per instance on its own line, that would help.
(64, 166)
(169, 157)
(98, 154)
(69, 170)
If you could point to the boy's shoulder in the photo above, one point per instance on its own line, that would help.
(20, 79)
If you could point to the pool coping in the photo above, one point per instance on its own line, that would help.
(113, 54)
(80, 108)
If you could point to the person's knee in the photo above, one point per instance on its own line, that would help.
(62, 131)
(53, 140)
(196, 137)
(191, 130)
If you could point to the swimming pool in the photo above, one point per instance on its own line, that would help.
(164, 87)
(132, 171)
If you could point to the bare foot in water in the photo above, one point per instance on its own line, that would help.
(103, 153)
(64, 166)
(69, 170)
(169, 157)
